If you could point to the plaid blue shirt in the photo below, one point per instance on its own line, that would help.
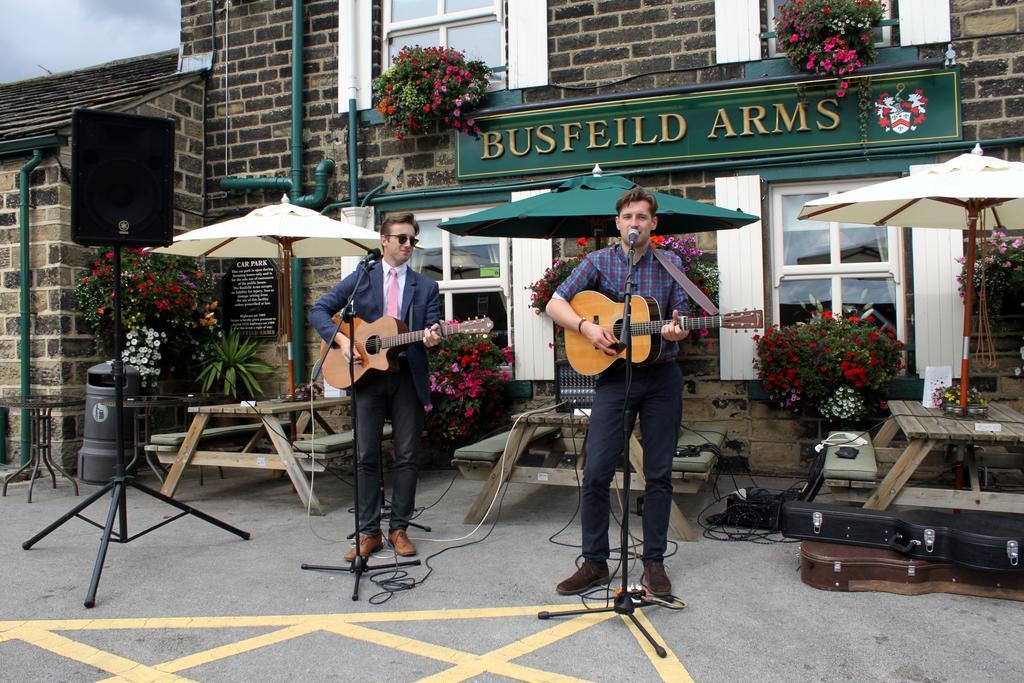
(605, 271)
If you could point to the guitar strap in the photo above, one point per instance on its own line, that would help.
(691, 289)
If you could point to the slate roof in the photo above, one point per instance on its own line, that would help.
(40, 106)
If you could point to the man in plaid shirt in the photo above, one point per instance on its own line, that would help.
(655, 394)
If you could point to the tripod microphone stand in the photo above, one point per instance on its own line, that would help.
(624, 603)
(121, 481)
(359, 565)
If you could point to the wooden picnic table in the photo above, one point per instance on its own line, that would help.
(268, 414)
(929, 428)
(558, 471)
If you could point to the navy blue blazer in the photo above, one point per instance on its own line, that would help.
(421, 308)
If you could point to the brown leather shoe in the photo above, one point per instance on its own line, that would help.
(401, 543)
(589, 574)
(368, 544)
(656, 580)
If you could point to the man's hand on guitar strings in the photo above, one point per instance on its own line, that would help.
(432, 335)
(342, 343)
(674, 331)
(600, 338)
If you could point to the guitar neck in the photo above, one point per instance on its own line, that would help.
(404, 338)
(651, 327)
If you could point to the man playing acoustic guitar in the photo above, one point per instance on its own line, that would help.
(390, 288)
(655, 394)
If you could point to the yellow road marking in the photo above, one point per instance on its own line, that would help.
(124, 668)
(464, 665)
(669, 668)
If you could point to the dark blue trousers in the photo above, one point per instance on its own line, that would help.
(389, 395)
(655, 395)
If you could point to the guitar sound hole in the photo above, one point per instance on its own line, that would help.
(372, 345)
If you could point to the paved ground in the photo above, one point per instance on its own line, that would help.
(192, 602)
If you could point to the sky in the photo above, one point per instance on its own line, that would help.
(61, 35)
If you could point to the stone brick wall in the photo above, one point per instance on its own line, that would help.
(643, 44)
(596, 47)
(62, 347)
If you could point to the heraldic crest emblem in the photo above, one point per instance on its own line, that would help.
(900, 114)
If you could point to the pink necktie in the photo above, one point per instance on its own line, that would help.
(392, 293)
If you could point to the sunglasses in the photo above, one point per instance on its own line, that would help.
(402, 239)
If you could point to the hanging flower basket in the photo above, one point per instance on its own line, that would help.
(837, 367)
(829, 37)
(428, 88)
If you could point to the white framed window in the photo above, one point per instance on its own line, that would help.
(883, 34)
(845, 268)
(471, 272)
(474, 27)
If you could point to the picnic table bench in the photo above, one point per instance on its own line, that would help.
(547, 448)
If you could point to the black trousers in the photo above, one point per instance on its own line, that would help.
(389, 395)
(655, 395)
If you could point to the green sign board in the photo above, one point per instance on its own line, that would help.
(905, 107)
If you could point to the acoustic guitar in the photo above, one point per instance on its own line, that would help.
(378, 344)
(645, 329)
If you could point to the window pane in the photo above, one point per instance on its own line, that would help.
(478, 41)
(863, 243)
(459, 5)
(426, 257)
(423, 39)
(474, 257)
(412, 9)
(798, 298)
(875, 297)
(469, 305)
(803, 242)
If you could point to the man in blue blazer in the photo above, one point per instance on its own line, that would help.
(389, 287)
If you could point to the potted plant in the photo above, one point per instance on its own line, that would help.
(430, 87)
(162, 298)
(231, 364)
(467, 389)
(839, 368)
(948, 398)
(543, 289)
(702, 273)
(1001, 263)
(829, 37)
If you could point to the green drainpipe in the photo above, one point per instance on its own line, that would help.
(293, 184)
(26, 286)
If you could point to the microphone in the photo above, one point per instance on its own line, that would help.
(371, 256)
(632, 237)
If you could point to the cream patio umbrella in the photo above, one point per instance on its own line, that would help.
(281, 231)
(969, 191)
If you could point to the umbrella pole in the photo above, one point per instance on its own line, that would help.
(288, 316)
(972, 230)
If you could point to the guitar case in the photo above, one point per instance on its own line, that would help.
(979, 540)
(835, 567)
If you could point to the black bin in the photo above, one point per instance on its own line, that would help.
(99, 443)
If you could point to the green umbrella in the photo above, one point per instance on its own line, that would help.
(585, 207)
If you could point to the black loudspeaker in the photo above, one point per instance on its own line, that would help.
(122, 171)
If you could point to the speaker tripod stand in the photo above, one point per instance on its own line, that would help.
(121, 481)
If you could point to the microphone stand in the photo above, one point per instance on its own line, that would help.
(359, 565)
(626, 601)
